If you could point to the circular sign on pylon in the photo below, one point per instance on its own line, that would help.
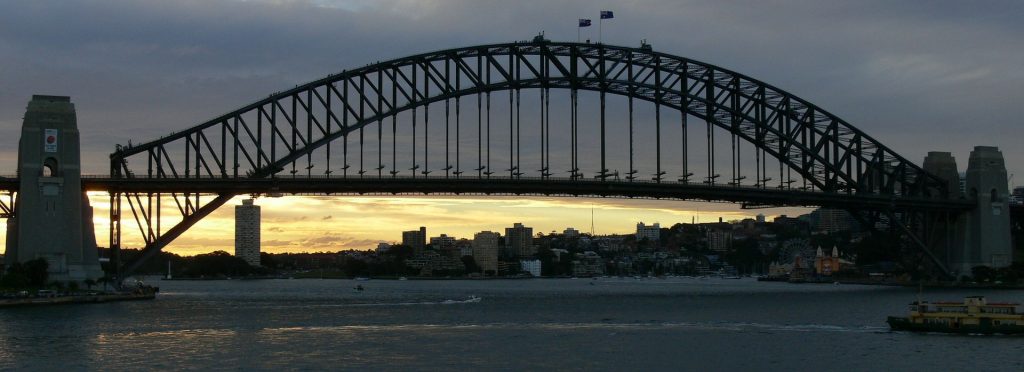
(50, 140)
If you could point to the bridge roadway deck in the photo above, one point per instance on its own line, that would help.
(354, 185)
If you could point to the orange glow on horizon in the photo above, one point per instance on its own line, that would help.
(335, 223)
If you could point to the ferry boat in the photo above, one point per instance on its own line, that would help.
(973, 315)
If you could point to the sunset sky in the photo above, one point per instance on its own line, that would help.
(311, 224)
(917, 75)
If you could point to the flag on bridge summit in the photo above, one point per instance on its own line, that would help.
(606, 14)
(584, 22)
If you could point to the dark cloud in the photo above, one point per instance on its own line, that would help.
(917, 75)
(332, 241)
(323, 240)
(361, 243)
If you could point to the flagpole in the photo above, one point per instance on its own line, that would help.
(583, 22)
(600, 24)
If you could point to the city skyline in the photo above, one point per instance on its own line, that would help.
(311, 224)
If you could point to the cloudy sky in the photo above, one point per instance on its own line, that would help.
(916, 75)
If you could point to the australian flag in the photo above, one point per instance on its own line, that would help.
(606, 14)
(584, 22)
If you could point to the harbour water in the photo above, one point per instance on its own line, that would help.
(575, 324)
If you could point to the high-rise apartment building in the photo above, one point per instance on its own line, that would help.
(485, 251)
(247, 232)
(1017, 196)
(832, 220)
(445, 245)
(651, 232)
(519, 241)
(443, 242)
(417, 239)
(719, 240)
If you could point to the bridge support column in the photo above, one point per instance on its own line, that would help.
(947, 229)
(52, 219)
(986, 240)
(115, 236)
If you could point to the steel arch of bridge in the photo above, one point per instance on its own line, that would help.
(262, 139)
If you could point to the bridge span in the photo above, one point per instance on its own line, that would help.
(497, 185)
(539, 118)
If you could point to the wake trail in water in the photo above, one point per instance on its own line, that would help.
(469, 300)
(613, 327)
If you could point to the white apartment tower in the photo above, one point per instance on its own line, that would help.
(247, 232)
(651, 232)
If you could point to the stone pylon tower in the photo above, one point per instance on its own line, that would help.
(943, 164)
(987, 240)
(950, 248)
(53, 219)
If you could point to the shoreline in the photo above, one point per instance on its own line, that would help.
(67, 300)
(934, 285)
(831, 282)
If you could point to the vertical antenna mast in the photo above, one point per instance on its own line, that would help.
(591, 221)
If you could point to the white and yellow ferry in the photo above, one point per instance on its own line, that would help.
(973, 315)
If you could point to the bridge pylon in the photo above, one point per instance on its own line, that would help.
(947, 228)
(52, 217)
(980, 236)
(987, 232)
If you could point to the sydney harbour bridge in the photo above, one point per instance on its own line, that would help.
(533, 118)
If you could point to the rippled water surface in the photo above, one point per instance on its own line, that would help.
(578, 324)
